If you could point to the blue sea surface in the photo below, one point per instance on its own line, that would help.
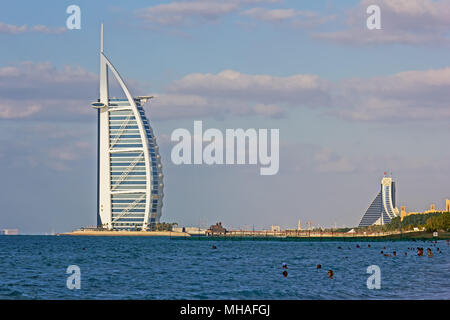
(34, 267)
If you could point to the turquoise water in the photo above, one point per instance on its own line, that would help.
(34, 267)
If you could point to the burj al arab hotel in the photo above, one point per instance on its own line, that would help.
(130, 179)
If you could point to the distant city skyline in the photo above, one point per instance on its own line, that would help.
(349, 103)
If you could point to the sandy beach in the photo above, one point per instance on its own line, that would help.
(125, 233)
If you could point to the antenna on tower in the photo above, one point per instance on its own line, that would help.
(101, 38)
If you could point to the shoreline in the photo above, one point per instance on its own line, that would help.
(408, 236)
(125, 233)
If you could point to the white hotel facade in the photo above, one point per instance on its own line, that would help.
(382, 210)
(130, 178)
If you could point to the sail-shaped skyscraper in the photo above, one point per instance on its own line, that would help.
(130, 178)
(382, 208)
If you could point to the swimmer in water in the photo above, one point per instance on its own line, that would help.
(395, 253)
(420, 252)
(330, 274)
(357, 246)
(368, 246)
(214, 247)
(285, 273)
(284, 265)
(429, 253)
(319, 266)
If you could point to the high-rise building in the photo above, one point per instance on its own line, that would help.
(130, 179)
(382, 209)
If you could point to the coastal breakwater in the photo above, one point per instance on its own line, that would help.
(324, 236)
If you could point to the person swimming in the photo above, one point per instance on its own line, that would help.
(420, 252)
(214, 247)
(284, 265)
(357, 246)
(394, 253)
(429, 253)
(319, 266)
(285, 273)
(330, 274)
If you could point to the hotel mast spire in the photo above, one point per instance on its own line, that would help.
(104, 96)
(101, 38)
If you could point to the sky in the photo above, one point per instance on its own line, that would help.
(350, 104)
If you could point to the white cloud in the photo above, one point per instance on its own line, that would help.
(45, 29)
(187, 12)
(268, 110)
(301, 89)
(297, 18)
(413, 22)
(411, 95)
(271, 15)
(41, 91)
(31, 89)
(327, 160)
(178, 12)
(406, 96)
(237, 94)
(169, 106)
(13, 29)
(9, 110)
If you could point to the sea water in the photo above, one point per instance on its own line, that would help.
(34, 267)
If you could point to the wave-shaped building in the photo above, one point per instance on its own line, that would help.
(382, 208)
(130, 178)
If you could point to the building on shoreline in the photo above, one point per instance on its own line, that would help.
(216, 229)
(383, 208)
(9, 232)
(130, 179)
(432, 209)
(191, 230)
